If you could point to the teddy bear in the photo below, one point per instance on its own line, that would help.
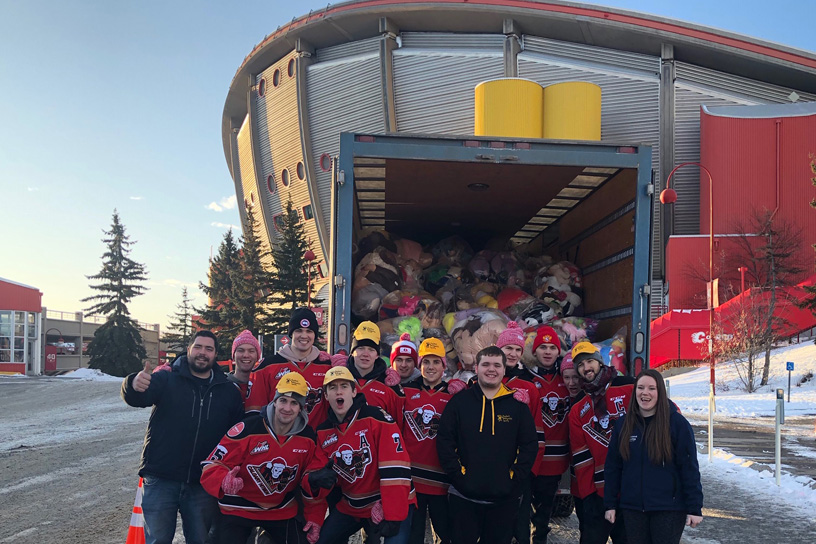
(408, 250)
(376, 275)
(453, 251)
(472, 330)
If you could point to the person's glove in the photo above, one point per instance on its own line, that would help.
(324, 357)
(232, 484)
(339, 360)
(162, 368)
(522, 395)
(456, 385)
(324, 478)
(312, 531)
(388, 528)
(377, 512)
(392, 378)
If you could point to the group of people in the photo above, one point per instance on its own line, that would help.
(309, 447)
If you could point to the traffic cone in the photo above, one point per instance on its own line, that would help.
(136, 533)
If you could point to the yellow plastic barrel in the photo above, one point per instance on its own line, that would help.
(572, 111)
(509, 107)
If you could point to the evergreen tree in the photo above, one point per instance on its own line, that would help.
(222, 314)
(180, 331)
(117, 346)
(289, 276)
(254, 284)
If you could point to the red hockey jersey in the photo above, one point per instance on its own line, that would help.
(423, 408)
(271, 468)
(369, 456)
(589, 436)
(554, 404)
(390, 398)
(521, 378)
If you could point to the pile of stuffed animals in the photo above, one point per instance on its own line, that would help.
(466, 298)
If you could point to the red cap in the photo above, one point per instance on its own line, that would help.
(404, 346)
(546, 335)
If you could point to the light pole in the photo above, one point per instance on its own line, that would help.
(742, 270)
(309, 256)
(669, 196)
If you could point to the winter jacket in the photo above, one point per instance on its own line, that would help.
(589, 436)
(187, 421)
(555, 405)
(390, 398)
(270, 466)
(487, 447)
(639, 484)
(369, 456)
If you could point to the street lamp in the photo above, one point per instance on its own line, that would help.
(742, 270)
(669, 196)
(309, 256)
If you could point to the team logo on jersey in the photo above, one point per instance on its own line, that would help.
(351, 464)
(260, 448)
(283, 372)
(313, 398)
(273, 476)
(249, 388)
(600, 429)
(423, 421)
(553, 409)
(236, 429)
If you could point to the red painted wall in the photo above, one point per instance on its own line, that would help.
(19, 297)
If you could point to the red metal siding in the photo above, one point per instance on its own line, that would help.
(13, 368)
(19, 297)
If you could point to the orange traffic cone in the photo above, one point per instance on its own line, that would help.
(136, 533)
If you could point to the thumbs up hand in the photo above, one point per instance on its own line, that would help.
(142, 380)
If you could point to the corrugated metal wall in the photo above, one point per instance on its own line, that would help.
(281, 155)
(344, 95)
(249, 185)
(694, 87)
(435, 76)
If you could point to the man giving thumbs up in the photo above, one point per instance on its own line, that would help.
(193, 407)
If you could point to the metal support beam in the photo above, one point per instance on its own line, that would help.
(512, 47)
(388, 44)
(667, 126)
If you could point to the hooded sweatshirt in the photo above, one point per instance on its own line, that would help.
(413, 377)
(271, 468)
(487, 447)
(377, 393)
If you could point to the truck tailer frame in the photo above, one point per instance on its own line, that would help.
(587, 202)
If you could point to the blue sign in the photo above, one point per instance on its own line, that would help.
(790, 366)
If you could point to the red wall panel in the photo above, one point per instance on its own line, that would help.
(14, 296)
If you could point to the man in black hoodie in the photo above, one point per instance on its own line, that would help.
(487, 445)
(194, 405)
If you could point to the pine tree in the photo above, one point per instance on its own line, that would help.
(117, 346)
(289, 276)
(222, 314)
(180, 331)
(254, 284)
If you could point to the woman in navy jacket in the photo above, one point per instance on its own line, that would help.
(651, 470)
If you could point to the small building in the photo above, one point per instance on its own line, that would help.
(20, 314)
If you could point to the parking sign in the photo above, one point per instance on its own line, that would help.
(790, 366)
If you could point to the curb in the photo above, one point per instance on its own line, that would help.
(753, 465)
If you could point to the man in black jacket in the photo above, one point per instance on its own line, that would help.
(487, 445)
(193, 407)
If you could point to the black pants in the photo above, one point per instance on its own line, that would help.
(485, 523)
(521, 528)
(543, 496)
(437, 507)
(664, 527)
(236, 530)
(595, 529)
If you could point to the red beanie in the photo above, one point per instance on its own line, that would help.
(546, 335)
(566, 363)
(404, 346)
(511, 336)
(246, 337)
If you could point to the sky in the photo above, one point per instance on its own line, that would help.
(116, 105)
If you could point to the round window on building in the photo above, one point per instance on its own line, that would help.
(325, 162)
(270, 183)
(285, 177)
(276, 78)
(290, 69)
(262, 87)
(301, 171)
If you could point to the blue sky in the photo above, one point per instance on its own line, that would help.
(117, 104)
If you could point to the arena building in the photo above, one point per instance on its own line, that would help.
(380, 66)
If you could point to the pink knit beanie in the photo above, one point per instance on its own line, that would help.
(511, 336)
(246, 337)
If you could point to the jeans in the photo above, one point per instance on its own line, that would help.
(338, 527)
(663, 527)
(544, 489)
(594, 527)
(164, 499)
(437, 507)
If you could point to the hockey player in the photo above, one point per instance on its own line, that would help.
(516, 376)
(554, 408)
(404, 359)
(591, 420)
(299, 355)
(361, 450)
(425, 400)
(256, 470)
(487, 446)
(375, 379)
(245, 354)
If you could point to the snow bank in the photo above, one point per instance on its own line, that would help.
(91, 375)
(690, 391)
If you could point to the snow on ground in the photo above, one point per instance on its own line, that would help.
(793, 490)
(90, 375)
(690, 390)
